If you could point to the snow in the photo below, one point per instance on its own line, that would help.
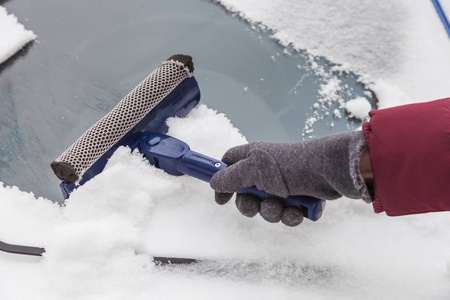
(358, 108)
(13, 35)
(99, 245)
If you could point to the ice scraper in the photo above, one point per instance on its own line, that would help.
(171, 90)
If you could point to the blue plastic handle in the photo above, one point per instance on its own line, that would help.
(176, 158)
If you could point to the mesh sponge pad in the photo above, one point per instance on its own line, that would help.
(104, 134)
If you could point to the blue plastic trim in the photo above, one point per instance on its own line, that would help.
(442, 16)
(67, 188)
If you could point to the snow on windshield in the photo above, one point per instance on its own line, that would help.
(402, 47)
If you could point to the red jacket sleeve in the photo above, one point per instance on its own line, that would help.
(409, 149)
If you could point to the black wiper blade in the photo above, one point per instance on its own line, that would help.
(18, 249)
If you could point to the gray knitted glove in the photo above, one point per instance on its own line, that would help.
(326, 168)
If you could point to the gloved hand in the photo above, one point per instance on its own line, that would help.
(325, 168)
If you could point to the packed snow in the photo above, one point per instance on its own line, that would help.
(100, 244)
(13, 35)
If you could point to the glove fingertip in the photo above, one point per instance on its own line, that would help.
(271, 210)
(292, 217)
(247, 205)
(222, 198)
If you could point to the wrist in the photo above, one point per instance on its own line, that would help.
(365, 168)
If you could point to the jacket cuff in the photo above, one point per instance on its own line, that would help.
(409, 148)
